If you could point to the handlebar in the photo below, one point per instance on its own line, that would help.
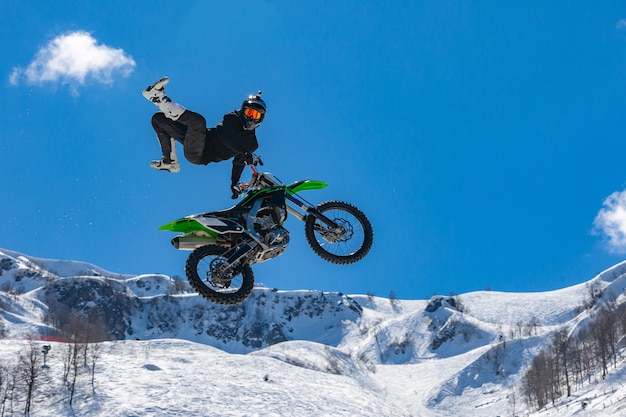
(252, 162)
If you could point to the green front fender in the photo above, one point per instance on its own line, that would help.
(305, 185)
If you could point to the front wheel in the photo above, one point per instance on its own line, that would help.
(207, 275)
(345, 244)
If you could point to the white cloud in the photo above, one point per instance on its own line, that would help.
(611, 221)
(621, 24)
(73, 59)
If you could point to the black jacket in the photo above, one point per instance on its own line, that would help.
(227, 140)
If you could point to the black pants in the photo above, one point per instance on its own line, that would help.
(189, 129)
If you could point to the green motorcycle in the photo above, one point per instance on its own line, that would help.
(226, 243)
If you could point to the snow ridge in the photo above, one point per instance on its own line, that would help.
(298, 352)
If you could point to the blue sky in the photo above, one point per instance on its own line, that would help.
(483, 139)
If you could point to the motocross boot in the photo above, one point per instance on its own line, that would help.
(165, 164)
(168, 163)
(156, 94)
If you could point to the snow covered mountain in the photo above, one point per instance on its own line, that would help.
(283, 353)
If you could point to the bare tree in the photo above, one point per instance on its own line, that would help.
(67, 361)
(73, 366)
(535, 385)
(531, 326)
(560, 346)
(513, 402)
(583, 354)
(5, 388)
(83, 352)
(600, 334)
(94, 350)
(393, 299)
(594, 292)
(573, 360)
(30, 367)
(519, 326)
(620, 313)
(8, 389)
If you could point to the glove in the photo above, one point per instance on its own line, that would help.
(236, 191)
(248, 158)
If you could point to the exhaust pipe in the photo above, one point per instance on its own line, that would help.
(192, 242)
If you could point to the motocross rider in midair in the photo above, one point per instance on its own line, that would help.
(234, 137)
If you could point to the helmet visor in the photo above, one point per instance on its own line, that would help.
(252, 113)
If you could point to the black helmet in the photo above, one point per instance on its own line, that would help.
(252, 111)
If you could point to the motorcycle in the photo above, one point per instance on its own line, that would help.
(225, 244)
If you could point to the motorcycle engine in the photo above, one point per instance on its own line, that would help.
(267, 223)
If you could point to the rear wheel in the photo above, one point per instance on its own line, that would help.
(207, 275)
(346, 244)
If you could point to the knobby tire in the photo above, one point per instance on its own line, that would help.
(204, 288)
(347, 214)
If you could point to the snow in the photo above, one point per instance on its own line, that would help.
(337, 355)
(181, 378)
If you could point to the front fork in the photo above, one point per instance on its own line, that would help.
(309, 210)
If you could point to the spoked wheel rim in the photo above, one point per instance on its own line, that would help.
(347, 243)
(211, 270)
(205, 270)
(344, 240)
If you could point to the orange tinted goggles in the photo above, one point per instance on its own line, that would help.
(254, 113)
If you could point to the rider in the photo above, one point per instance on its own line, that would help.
(234, 137)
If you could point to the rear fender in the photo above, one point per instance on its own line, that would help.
(185, 225)
(203, 223)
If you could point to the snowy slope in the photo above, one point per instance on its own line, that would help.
(181, 378)
(305, 353)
